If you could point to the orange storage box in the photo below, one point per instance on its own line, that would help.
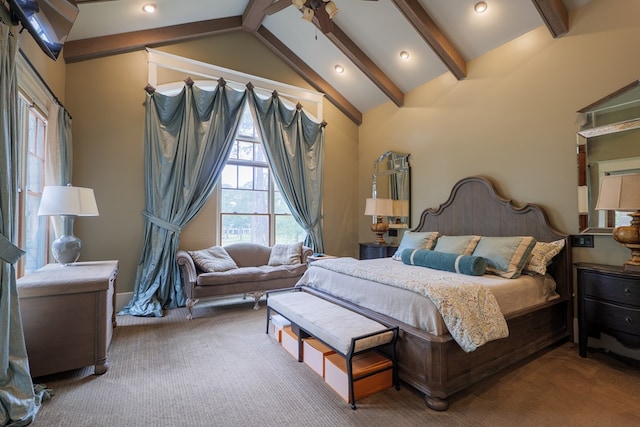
(335, 374)
(314, 352)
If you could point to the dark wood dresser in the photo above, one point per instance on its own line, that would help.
(608, 302)
(374, 250)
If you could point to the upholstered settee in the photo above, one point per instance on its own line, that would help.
(240, 268)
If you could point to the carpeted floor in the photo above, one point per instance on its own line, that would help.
(221, 369)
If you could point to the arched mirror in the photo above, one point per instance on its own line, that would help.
(392, 180)
(608, 144)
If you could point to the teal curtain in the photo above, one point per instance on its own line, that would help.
(19, 404)
(294, 146)
(188, 138)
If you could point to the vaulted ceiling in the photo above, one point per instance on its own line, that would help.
(366, 37)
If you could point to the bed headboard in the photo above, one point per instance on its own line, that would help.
(475, 207)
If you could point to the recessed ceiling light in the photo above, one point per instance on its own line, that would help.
(404, 54)
(149, 7)
(339, 69)
(480, 7)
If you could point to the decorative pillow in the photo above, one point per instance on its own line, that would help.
(212, 259)
(465, 264)
(506, 256)
(416, 240)
(282, 254)
(542, 254)
(461, 245)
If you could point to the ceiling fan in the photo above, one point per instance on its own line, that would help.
(322, 10)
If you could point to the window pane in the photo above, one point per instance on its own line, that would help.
(261, 179)
(245, 127)
(234, 151)
(279, 205)
(35, 238)
(243, 201)
(35, 169)
(245, 228)
(245, 150)
(40, 139)
(259, 153)
(288, 230)
(245, 177)
(229, 177)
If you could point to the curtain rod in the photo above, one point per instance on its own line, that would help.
(53, 95)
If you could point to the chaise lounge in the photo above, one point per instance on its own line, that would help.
(240, 268)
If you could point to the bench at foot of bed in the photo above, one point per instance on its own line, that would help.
(345, 331)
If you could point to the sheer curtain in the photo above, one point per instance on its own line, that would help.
(187, 141)
(294, 146)
(19, 403)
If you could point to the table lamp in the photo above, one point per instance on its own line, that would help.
(622, 193)
(379, 208)
(67, 202)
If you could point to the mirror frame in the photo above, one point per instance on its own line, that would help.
(588, 130)
(397, 164)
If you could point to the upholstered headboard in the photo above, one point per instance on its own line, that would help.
(475, 207)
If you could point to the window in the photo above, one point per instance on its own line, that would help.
(251, 208)
(33, 231)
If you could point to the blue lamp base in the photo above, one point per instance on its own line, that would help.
(66, 248)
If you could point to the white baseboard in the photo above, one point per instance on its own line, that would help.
(122, 299)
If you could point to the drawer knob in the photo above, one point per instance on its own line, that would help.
(628, 320)
(627, 291)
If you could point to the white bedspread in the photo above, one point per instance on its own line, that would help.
(470, 311)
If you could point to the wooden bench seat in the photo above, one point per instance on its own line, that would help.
(345, 331)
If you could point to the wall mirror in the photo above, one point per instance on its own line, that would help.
(608, 144)
(392, 180)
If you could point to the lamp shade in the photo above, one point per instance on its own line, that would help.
(68, 200)
(401, 208)
(379, 207)
(619, 193)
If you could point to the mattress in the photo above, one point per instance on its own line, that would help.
(413, 308)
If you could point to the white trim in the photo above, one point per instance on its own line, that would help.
(237, 79)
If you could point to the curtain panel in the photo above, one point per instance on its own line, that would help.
(188, 138)
(19, 403)
(294, 146)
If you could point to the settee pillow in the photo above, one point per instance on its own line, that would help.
(506, 256)
(464, 264)
(282, 254)
(416, 240)
(542, 254)
(461, 245)
(213, 259)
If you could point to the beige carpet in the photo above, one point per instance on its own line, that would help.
(221, 369)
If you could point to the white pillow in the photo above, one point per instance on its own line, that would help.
(282, 254)
(213, 259)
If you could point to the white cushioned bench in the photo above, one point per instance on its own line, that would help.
(345, 331)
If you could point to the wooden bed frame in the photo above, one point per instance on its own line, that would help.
(436, 365)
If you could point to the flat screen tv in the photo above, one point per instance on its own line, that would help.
(48, 21)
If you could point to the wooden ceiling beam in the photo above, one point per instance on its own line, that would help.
(97, 47)
(254, 13)
(431, 33)
(366, 65)
(554, 15)
(308, 74)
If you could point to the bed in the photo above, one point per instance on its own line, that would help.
(429, 357)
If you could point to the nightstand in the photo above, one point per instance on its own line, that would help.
(374, 250)
(608, 302)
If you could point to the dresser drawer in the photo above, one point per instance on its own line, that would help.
(612, 288)
(610, 316)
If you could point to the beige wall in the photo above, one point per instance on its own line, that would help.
(513, 119)
(105, 97)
